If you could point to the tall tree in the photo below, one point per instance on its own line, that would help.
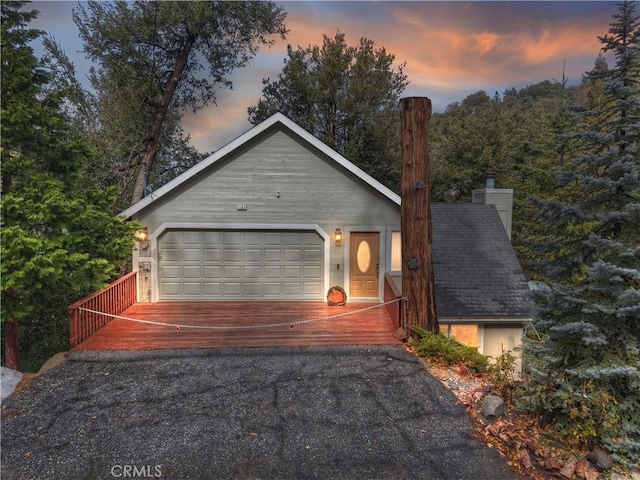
(160, 58)
(588, 364)
(59, 241)
(345, 96)
(519, 137)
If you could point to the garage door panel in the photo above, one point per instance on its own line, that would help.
(232, 272)
(212, 239)
(191, 272)
(312, 272)
(172, 289)
(212, 254)
(232, 255)
(292, 255)
(172, 238)
(292, 288)
(232, 238)
(253, 238)
(252, 255)
(212, 272)
(252, 272)
(312, 255)
(292, 238)
(253, 289)
(311, 288)
(212, 289)
(191, 255)
(273, 238)
(192, 238)
(192, 289)
(241, 265)
(273, 289)
(171, 272)
(170, 254)
(232, 289)
(292, 271)
(272, 271)
(273, 255)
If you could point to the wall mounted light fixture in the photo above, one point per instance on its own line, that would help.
(338, 237)
(142, 236)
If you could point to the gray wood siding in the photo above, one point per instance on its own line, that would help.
(310, 191)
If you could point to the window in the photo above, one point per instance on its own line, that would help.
(396, 251)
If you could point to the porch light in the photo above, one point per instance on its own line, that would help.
(142, 236)
(338, 237)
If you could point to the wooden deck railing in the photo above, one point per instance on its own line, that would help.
(391, 292)
(113, 300)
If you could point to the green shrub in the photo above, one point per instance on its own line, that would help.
(500, 373)
(583, 414)
(448, 351)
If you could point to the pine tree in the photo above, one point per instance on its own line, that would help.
(347, 96)
(59, 241)
(587, 363)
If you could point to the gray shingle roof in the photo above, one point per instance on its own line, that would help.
(477, 273)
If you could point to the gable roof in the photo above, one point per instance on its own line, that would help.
(275, 120)
(477, 273)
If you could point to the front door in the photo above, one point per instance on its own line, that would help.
(364, 264)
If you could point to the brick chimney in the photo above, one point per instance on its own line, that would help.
(502, 198)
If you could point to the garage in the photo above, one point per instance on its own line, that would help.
(240, 265)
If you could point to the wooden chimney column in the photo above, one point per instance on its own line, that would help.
(415, 214)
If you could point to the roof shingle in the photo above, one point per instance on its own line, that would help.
(477, 273)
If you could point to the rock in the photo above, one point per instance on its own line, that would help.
(552, 463)
(525, 459)
(53, 362)
(492, 407)
(400, 334)
(617, 476)
(479, 393)
(600, 459)
(585, 471)
(569, 467)
(440, 373)
(8, 379)
(591, 474)
(533, 445)
(493, 429)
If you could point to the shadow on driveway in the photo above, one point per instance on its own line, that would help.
(269, 413)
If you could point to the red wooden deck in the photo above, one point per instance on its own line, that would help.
(280, 324)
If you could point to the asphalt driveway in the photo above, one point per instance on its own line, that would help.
(270, 413)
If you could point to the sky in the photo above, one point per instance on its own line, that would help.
(451, 49)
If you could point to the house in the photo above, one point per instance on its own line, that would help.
(482, 295)
(278, 215)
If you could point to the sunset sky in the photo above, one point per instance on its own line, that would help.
(451, 49)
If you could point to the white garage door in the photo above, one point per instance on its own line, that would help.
(241, 265)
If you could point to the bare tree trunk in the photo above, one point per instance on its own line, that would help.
(11, 344)
(418, 283)
(153, 141)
